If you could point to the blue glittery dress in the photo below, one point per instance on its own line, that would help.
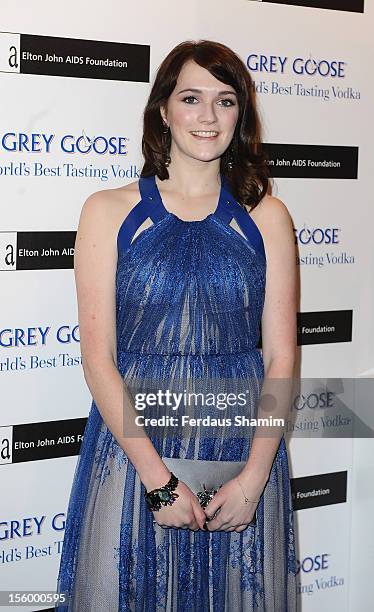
(189, 300)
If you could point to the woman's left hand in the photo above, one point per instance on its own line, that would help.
(235, 514)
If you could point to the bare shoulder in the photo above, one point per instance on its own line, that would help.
(109, 207)
(272, 216)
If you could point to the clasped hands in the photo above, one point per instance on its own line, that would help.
(234, 513)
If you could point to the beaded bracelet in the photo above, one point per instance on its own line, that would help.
(162, 496)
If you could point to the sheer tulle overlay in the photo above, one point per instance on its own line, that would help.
(189, 300)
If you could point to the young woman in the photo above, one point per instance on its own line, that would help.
(175, 273)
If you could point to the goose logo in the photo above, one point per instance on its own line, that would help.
(33, 142)
(301, 66)
(317, 235)
(313, 563)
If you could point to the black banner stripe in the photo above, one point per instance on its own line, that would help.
(45, 250)
(324, 327)
(319, 490)
(71, 57)
(312, 161)
(47, 440)
(353, 6)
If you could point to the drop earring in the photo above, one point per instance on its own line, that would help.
(231, 157)
(165, 146)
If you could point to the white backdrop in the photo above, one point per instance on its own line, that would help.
(333, 547)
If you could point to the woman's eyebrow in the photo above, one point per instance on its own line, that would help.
(220, 93)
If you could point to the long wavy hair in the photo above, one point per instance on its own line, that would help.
(249, 177)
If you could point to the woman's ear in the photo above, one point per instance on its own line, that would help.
(163, 114)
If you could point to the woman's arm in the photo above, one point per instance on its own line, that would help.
(95, 263)
(279, 333)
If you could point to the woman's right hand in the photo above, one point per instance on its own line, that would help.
(184, 513)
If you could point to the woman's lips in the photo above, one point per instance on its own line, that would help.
(207, 137)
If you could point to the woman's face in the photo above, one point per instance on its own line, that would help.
(202, 113)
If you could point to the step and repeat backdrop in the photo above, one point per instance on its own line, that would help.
(73, 88)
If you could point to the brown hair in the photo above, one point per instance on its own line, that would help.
(249, 177)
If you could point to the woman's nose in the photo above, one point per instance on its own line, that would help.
(208, 113)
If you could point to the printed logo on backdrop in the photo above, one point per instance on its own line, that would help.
(26, 538)
(36, 441)
(6, 444)
(17, 148)
(315, 572)
(319, 490)
(37, 250)
(331, 408)
(73, 57)
(321, 246)
(353, 6)
(320, 78)
(31, 342)
(312, 161)
(324, 327)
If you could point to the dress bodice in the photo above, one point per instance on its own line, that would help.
(189, 287)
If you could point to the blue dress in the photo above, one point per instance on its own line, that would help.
(189, 301)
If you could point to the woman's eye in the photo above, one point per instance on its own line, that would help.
(230, 102)
(224, 102)
(188, 98)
